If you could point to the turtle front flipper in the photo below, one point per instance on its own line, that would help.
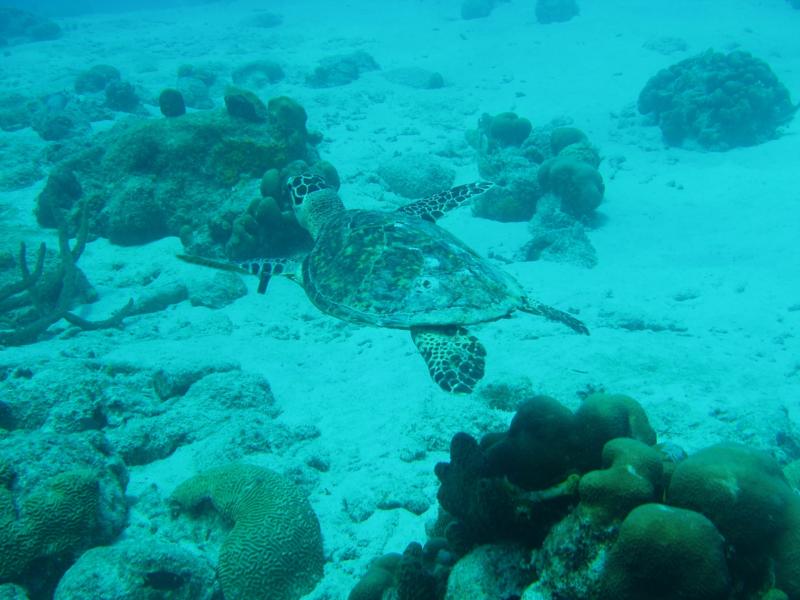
(548, 312)
(263, 268)
(434, 207)
(455, 359)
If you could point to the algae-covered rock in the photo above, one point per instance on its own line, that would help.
(19, 26)
(505, 129)
(148, 178)
(489, 572)
(578, 184)
(476, 9)
(122, 96)
(341, 69)
(717, 101)
(244, 104)
(171, 103)
(138, 569)
(555, 11)
(416, 175)
(257, 74)
(557, 236)
(96, 78)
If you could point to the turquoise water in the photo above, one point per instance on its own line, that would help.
(293, 300)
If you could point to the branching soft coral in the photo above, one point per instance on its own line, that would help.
(25, 293)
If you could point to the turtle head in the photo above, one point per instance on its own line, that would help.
(314, 202)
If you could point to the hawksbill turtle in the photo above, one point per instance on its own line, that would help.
(400, 270)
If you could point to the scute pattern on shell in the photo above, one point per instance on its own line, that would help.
(395, 270)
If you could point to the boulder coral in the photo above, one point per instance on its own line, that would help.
(717, 101)
(662, 553)
(191, 177)
(745, 494)
(59, 496)
(575, 182)
(273, 550)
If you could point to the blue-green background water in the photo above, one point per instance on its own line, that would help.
(670, 234)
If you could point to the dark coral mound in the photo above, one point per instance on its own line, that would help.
(603, 513)
(18, 26)
(342, 69)
(194, 177)
(556, 11)
(718, 101)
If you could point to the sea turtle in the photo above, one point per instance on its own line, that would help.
(401, 270)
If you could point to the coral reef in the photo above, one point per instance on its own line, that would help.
(717, 101)
(556, 11)
(275, 542)
(504, 129)
(585, 505)
(547, 175)
(420, 573)
(171, 103)
(557, 237)
(415, 77)
(528, 163)
(96, 79)
(477, 9)
(130, 569)
(38, 299)
(19, 26)
(194, 176)
(59, 495)
(257, 74)
(416, 175)
(662, 552)
(55, 116)
(341, 69)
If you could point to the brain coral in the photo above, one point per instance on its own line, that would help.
(717, 100)
(274, 550)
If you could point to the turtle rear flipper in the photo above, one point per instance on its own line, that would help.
(548, 312)
(455, 359)
(434, 207)
(263, 268)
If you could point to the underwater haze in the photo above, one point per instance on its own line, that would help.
(431, 300)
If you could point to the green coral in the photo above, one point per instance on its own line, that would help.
(561, 137)
(275, 543)
(632, 476)
(744, 493)
(505, 129)
(380, 576)
(414, 575)
(663, 553)
(536, 451)
(578, 184)
(740, 489)
(189, 170)
(52, 521)
(717, 100)
(602, 417)
(244, 104)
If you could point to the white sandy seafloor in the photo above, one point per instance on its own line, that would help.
(693, 308)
